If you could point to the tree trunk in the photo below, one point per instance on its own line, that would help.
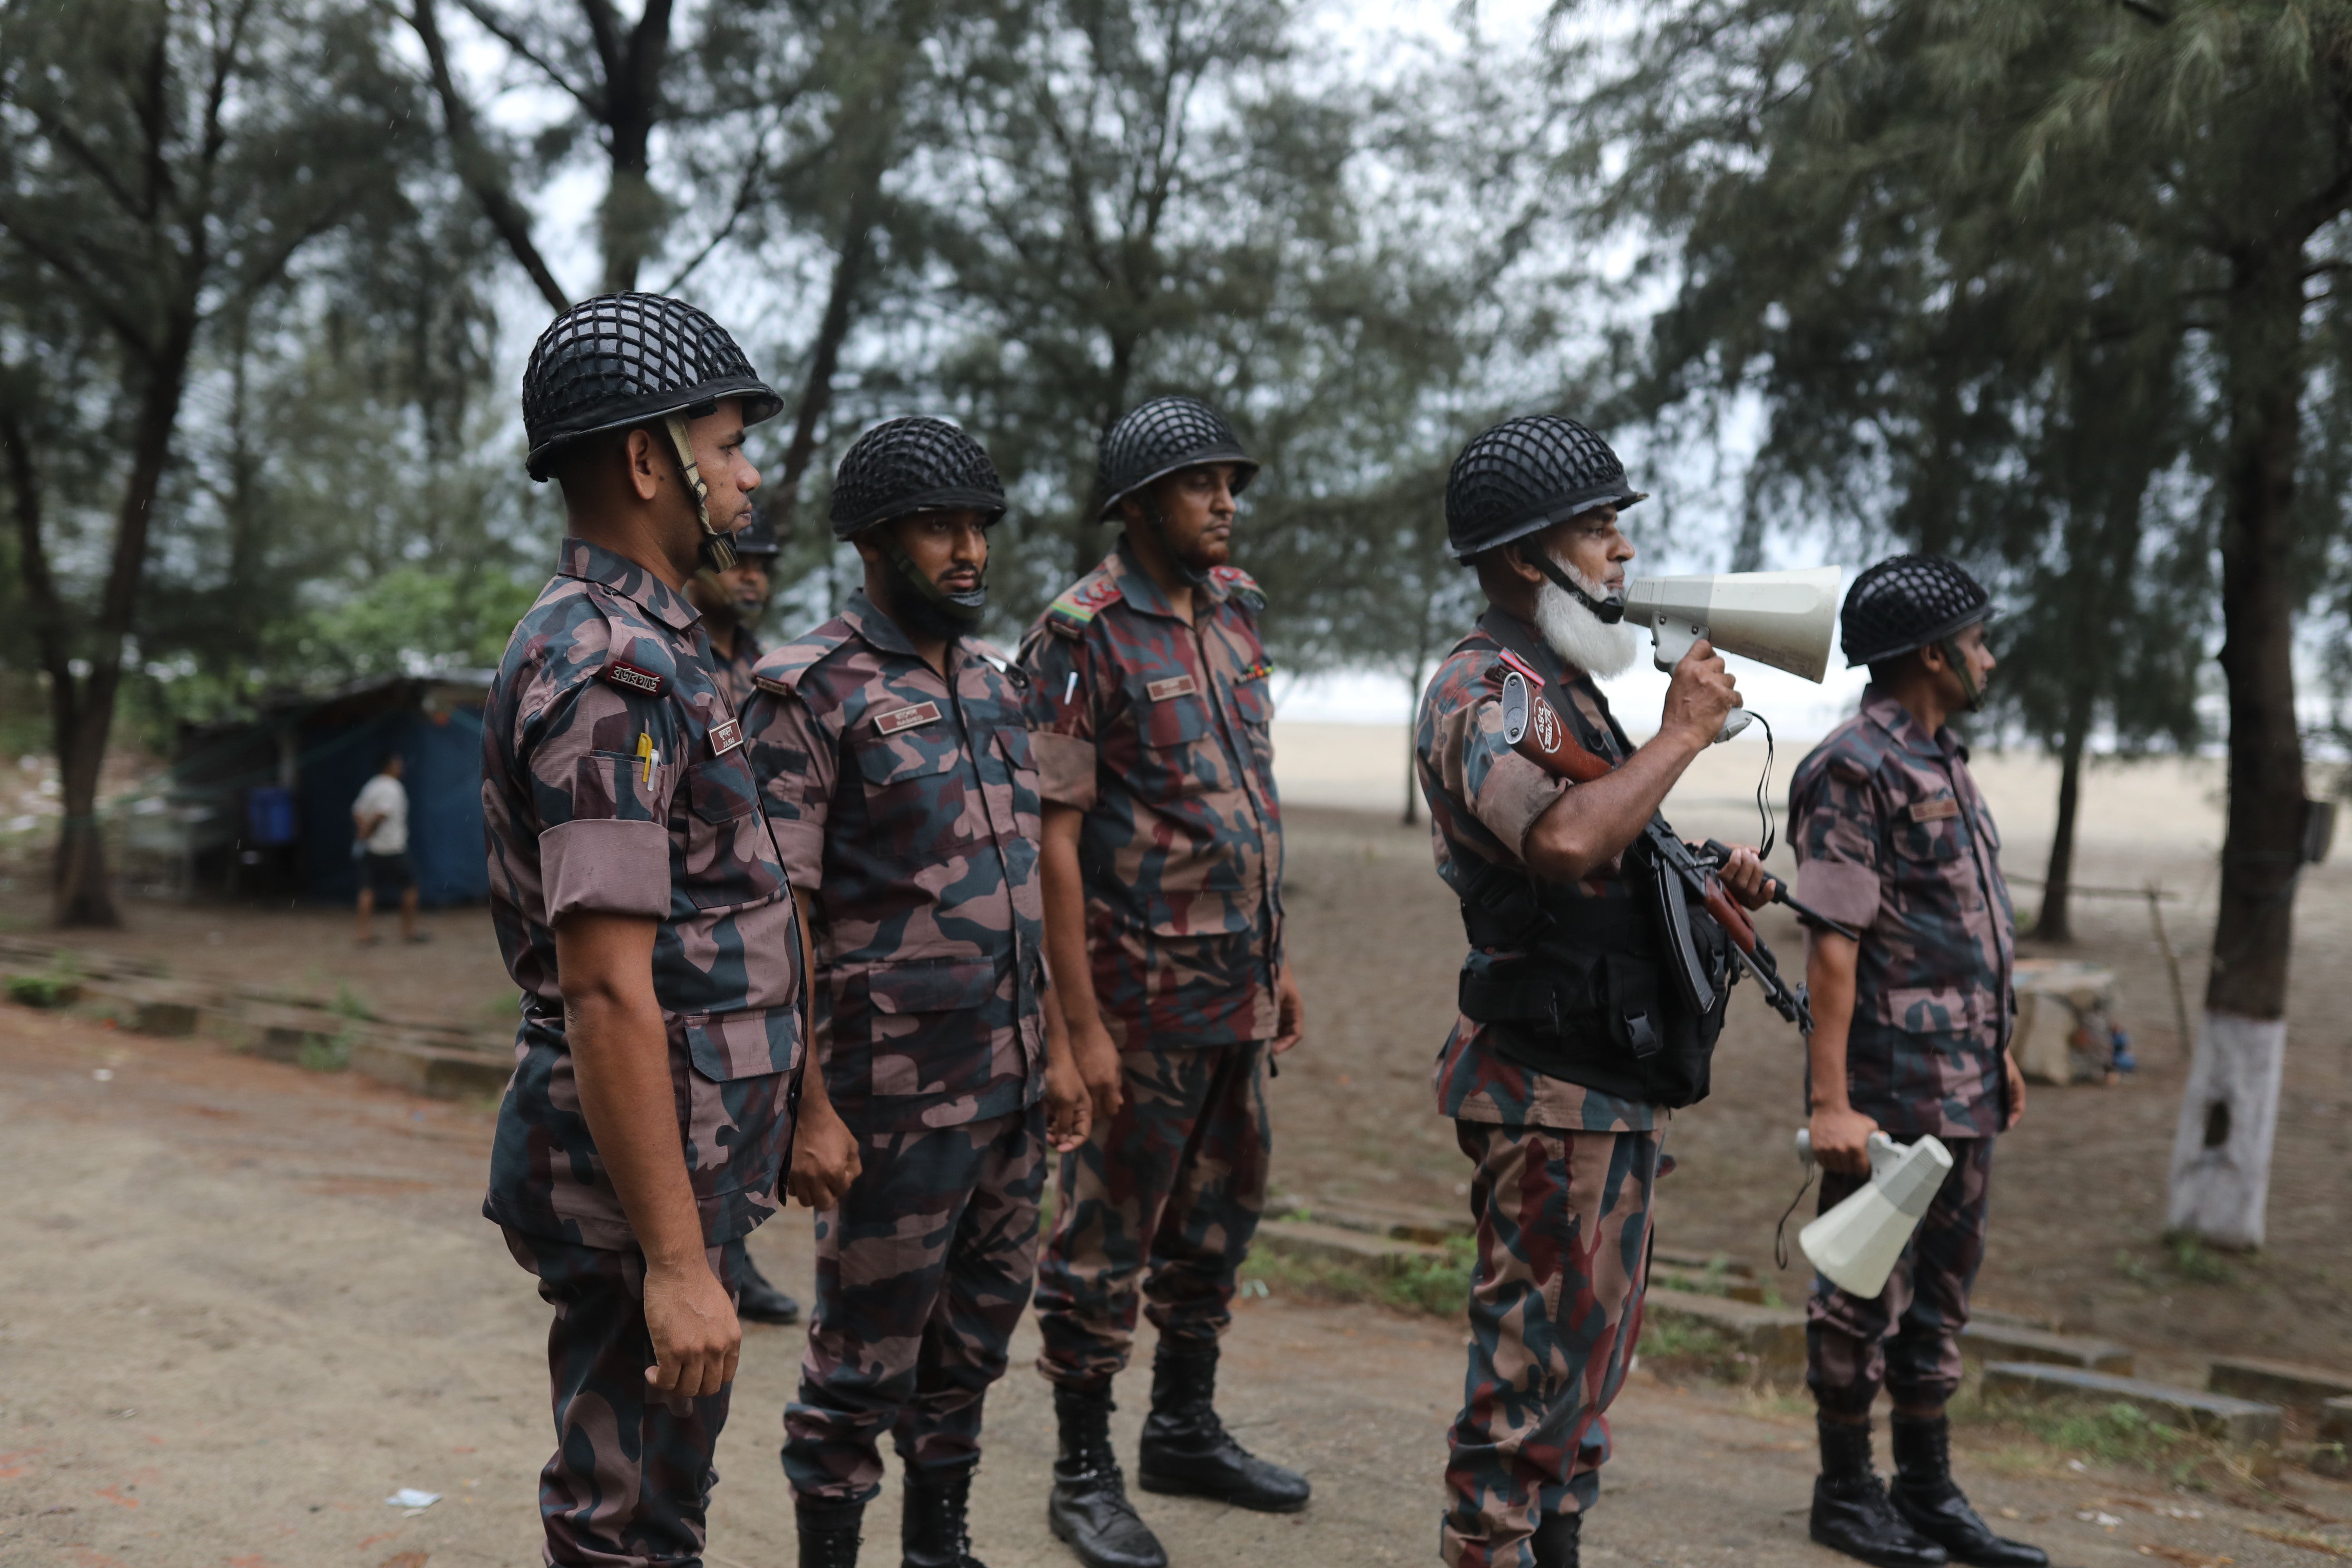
(2220, 1161)
(825, 359)
(2052, 923)
(1412, 759)
(84, 721)
(634, 214)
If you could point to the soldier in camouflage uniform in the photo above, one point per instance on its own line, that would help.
(1163, 907)
(895, 756)
(1911, 1038)
(731, 603)
(1559, 1113)
(641, 905)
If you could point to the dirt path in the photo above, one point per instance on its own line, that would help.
(243, 1303)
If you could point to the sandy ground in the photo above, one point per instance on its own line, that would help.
(244, 1303)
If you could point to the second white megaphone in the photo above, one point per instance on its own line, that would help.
(1785, 619)
(1855, 1245)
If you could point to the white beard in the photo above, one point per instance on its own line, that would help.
(1579, 636)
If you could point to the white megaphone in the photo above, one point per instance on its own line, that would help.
(1785, 619)
(1855, 1244)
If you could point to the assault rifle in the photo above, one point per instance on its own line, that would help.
(1680, 874)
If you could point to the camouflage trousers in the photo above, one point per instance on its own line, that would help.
(1563, 1234)
(921, 1276)
(630, 1480)
(1159, 1202)
(1908, 1337)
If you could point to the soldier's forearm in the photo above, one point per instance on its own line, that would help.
(1829, 962)
(620, 1058)
(1063, 886)
(1595, 822)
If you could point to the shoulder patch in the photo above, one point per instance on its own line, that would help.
(1071, 613)
(1239, 585)
(628, 676)
(779, 672)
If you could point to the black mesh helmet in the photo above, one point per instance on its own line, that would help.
(621, 360)
(914, 464)
(756, 537)
(1152, 441)
(1525, 475)
(1907, 602)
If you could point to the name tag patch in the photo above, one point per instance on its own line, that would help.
(1174, 686)
(899, 718)
(1934, 810)
(620, 672)
(726, 737)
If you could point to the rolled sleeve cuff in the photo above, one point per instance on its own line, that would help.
(1065, 768)
(1838, 889)
(605, 866)
(1516, 793)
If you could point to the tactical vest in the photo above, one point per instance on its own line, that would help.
(1574, 984)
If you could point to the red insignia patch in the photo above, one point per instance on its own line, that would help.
(726, 737)
(620, 672)
(1523, 666)
(901, 719)
(1174, 686)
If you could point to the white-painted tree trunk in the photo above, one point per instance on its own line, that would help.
(2228, 1112)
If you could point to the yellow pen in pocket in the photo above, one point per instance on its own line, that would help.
(646, 750)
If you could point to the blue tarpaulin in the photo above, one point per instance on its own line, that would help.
(441, 757)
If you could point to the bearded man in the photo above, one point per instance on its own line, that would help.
(1572, 1041)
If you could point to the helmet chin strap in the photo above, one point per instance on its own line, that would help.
(1158, 521)
(1969, 687)
(931, 610)
(718, 548)
(1607, 611)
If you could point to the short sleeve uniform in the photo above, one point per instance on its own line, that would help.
(384, 796)
(733, 668)
(1160, 733)
(905, 803)
(615, 780)
(1893, 837)
(1483, 798)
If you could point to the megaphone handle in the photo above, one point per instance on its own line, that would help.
(1740, 719)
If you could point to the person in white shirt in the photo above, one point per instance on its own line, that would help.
(379, 824)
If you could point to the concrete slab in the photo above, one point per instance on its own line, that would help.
(2243, 1423)
(1991, 1341)
(2286, 1383)
(1309, 1241)
(1705, 1281)
(1773, 1336)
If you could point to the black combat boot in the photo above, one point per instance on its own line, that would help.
(933, 1531)
(1089, 1507)
(1925, 1497)
(1555, 1540)
(1850, 1513)
(828, 1533)
(758, 1300)
(1186, 1449)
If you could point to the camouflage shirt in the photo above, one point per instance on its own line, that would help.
(613, 780)
(734, 671)
(905, 807)
(1483, 798)
(1892, 837)
(1159, 732)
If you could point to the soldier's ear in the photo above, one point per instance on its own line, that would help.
(646, 469)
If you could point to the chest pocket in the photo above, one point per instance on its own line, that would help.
(1172, 733)
(912, 781)
(730, 859)
(1931, 862)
